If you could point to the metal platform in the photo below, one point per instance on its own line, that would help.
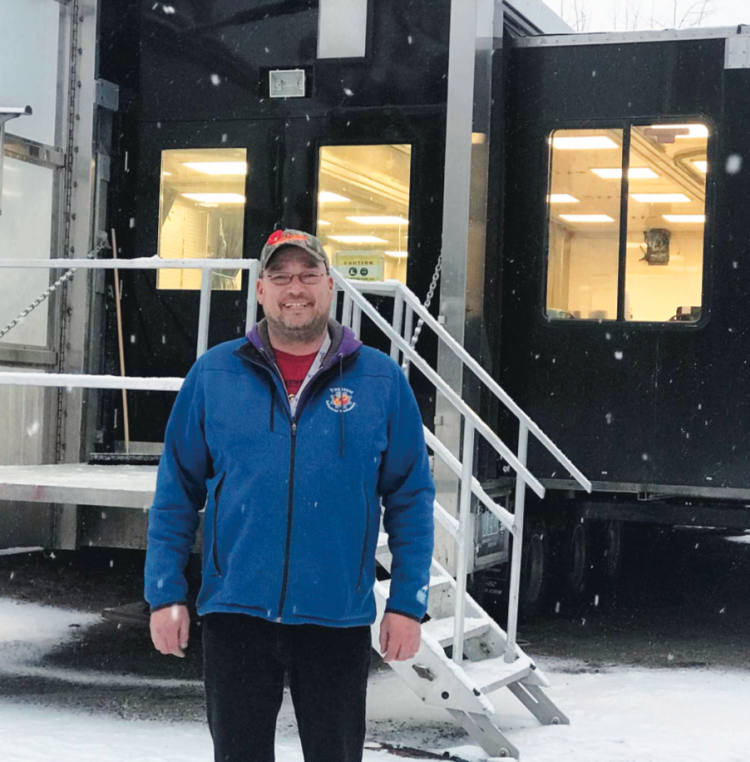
(80, 484)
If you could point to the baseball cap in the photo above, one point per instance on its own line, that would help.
(280, 238)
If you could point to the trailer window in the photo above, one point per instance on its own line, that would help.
(202, 213)
(584, 224)
(647, 266)
(666, 222)
(363, 209)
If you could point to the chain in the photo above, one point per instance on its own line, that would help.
(427, 302)
(104, 244)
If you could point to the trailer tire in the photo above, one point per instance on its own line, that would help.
(610, 552)
(535, 568)
(577, 552)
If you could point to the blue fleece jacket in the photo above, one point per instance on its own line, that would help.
(293, 503)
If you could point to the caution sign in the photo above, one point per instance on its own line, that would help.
(358, 266)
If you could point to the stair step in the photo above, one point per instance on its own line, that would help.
(435, 583)
(442, 629)
(491, 674)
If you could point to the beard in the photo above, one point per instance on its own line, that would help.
(299, 334)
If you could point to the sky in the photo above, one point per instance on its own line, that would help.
(600, 14)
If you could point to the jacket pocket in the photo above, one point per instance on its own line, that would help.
(364, 542)
(215, 546)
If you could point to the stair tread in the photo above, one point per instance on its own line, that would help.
(434, 582)
(491, 674)
(442, 629)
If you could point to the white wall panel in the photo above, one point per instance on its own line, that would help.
(29, 42)
(342, 30)
(25, 231)
(22, 424)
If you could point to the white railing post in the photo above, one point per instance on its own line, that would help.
(204, 315)
(398, 313)
(464, 539)
(356, 319)
(408, 333)
(346, 312)
(515, 563)
(334, 301)
(252, 296)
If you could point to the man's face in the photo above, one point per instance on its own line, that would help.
(297, 312)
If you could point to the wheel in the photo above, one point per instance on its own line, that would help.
(576, 559)
(535, 568)
(610, 552)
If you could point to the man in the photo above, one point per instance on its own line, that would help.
(295, 434)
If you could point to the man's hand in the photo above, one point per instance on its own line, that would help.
(400, 637)
(170, 630)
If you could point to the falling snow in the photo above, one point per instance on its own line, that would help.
(618, 355)
(215, 80)
(734, 164)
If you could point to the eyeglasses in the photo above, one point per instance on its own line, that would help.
(306, 278)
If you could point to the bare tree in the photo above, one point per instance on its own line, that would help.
(641, 14)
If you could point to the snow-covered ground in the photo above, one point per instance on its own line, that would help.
(617, 714)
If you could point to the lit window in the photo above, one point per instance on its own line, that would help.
(662, 258)
(363, 209)
(583, 244)
(664, 273)
(202, 214)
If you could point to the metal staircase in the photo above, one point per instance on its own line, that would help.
(465, 656)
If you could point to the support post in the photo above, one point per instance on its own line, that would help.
(398, 314)
(356, 319)
(204, 315)
(252, 296)
(465, 540)
(515, 564)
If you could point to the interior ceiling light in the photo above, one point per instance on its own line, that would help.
(693, 130)
(216, 198)
(399, 254)
(634, 245)
(166, 174)
(587, 218)
(592, 143)
(323, 223)
(661, 198)
(218, 167)
(634, 173)
(379, 220)
(562, 198)
(699, 218)
(702, 165)
(357, 239)
(326, 197)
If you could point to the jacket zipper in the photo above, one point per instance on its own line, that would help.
(216, 524)
(316, 381)
(364, 544)
(285, 577)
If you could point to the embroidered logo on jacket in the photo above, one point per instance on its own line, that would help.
(340, 400)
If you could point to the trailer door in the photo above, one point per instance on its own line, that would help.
(622, 330)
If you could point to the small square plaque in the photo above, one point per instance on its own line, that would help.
(287, 83)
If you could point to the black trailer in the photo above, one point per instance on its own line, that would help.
(585, 196)
(620, 308)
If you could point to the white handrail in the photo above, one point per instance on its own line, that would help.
(440, 384)
(406, 306)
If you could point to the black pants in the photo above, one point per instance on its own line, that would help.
(245, 659)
